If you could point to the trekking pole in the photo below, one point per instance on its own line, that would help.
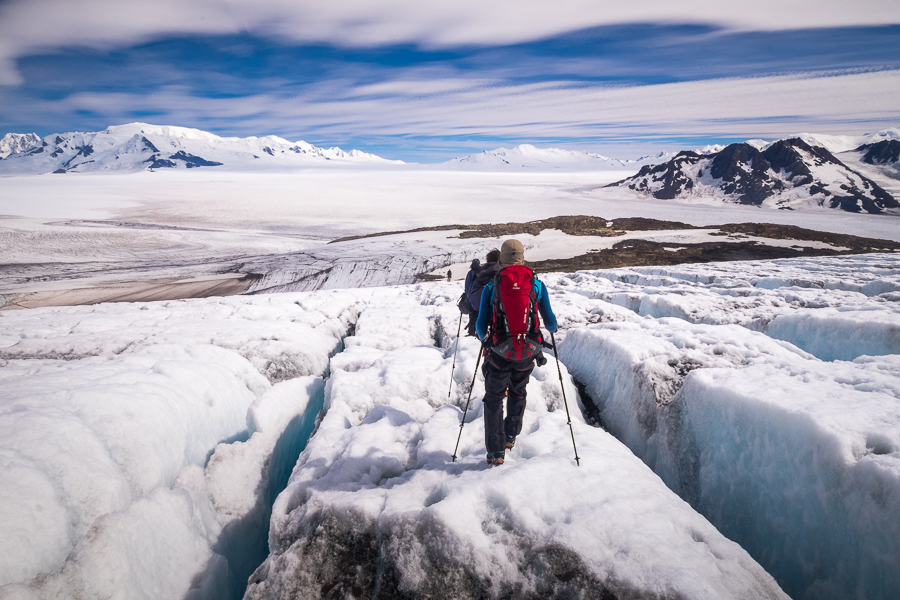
(463, 422)
(458, 330)
(563, 387)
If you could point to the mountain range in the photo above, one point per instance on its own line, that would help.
(140, 146)
(527, 157)
(851, 173)
(785, 174)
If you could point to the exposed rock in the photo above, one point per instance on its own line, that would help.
(883, 153)
(786, 174)
(191, 161)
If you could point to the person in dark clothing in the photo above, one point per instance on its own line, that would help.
(480, 277)
(449, 275)
(470, 276)
(503, 377)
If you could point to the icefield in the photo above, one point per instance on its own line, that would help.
(738, 426)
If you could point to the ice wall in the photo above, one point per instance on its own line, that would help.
(143, 444)
(796, 459)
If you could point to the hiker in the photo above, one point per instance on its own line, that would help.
(449, 274)
(508, 325)
(480, 278)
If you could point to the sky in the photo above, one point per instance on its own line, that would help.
(428, 81)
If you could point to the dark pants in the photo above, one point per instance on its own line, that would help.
(502, 376)
(470, 328)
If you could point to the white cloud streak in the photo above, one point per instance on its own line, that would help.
(765, 107)
(30, 26)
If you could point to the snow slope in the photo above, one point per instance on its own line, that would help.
(529, 158)
(140, 146)
(14, 143)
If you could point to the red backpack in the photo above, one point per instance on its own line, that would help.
(515, 328)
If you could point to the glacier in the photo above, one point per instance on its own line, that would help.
(738, 441)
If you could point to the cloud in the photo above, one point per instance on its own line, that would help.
(32, 26)
(573, 112)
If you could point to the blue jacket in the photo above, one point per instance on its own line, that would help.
(486, 312)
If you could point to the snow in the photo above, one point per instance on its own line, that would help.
(376, 486)
(13, 143)
(143, 444)
(528, 157)
(793, 457)
(843, 143)
(751, 410)
(140, 146)
(177, 415)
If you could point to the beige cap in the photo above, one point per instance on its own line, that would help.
(512, 252)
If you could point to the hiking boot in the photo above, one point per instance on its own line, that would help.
(495, 458)
(510, 442)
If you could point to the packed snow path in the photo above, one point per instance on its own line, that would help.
(142, 444)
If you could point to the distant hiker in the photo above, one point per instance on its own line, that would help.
(480, 278)
(508, 324)
(449, 274)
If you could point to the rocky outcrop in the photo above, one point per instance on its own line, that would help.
(787, 174)
(886, 152)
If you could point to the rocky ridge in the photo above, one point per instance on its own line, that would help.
(786, 174)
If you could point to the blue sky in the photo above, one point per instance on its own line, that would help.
(433, 86)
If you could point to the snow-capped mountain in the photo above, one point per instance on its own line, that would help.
(139, 146)
(788, 174)
(13, 143)
(528, 157)
(883, 155)
(844, 143)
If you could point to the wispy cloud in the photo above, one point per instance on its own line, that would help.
(568, 112)
(417, 81)
(31, 26)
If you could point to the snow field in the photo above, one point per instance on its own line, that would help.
(183, 418)
(841, 308)
(375, 507)
(142, 444)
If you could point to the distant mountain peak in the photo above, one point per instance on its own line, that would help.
(142, 146)
(529, 157)
(14, 143)
(786, 174)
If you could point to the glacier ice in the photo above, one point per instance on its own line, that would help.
(140, 439)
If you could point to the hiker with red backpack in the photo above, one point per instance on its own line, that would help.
(509, 326)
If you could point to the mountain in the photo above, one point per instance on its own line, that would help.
(786, 174)
(528, 157)
(139, 146)
(843, 143)
(13, 143)
(885, 152)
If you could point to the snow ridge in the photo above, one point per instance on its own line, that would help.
(140, 146)
(13, 143)
(528, 157)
